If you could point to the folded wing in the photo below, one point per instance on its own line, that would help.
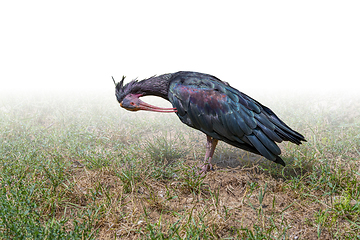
(222, 112)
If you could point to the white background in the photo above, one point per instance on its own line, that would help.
(282, 45)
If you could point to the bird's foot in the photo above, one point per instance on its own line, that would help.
(205, 168)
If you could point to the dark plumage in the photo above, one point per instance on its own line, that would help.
(212, 106)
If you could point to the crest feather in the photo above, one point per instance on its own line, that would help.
(120, 90)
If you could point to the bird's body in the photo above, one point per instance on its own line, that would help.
(212, 106)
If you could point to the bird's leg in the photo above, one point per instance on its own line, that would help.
(210, 149)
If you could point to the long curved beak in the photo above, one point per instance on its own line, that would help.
(148, 107)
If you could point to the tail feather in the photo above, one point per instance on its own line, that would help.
(278, 160)
(283, 130)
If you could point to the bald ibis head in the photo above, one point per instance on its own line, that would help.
(131, 101)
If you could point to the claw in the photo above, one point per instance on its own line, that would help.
(204, 169)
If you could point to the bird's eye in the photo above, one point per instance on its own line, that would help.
(132, 103)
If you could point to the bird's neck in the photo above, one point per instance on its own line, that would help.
(156, 86)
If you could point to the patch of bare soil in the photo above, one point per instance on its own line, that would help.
(226, 200)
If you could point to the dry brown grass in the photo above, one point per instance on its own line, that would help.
(226, 201)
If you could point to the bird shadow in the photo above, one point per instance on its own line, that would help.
(235, 161)
(238, 160)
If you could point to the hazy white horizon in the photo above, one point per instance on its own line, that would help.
(70, 45)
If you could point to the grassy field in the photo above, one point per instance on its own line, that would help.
(80, 167)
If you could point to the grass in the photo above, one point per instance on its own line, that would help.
(79, 167)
